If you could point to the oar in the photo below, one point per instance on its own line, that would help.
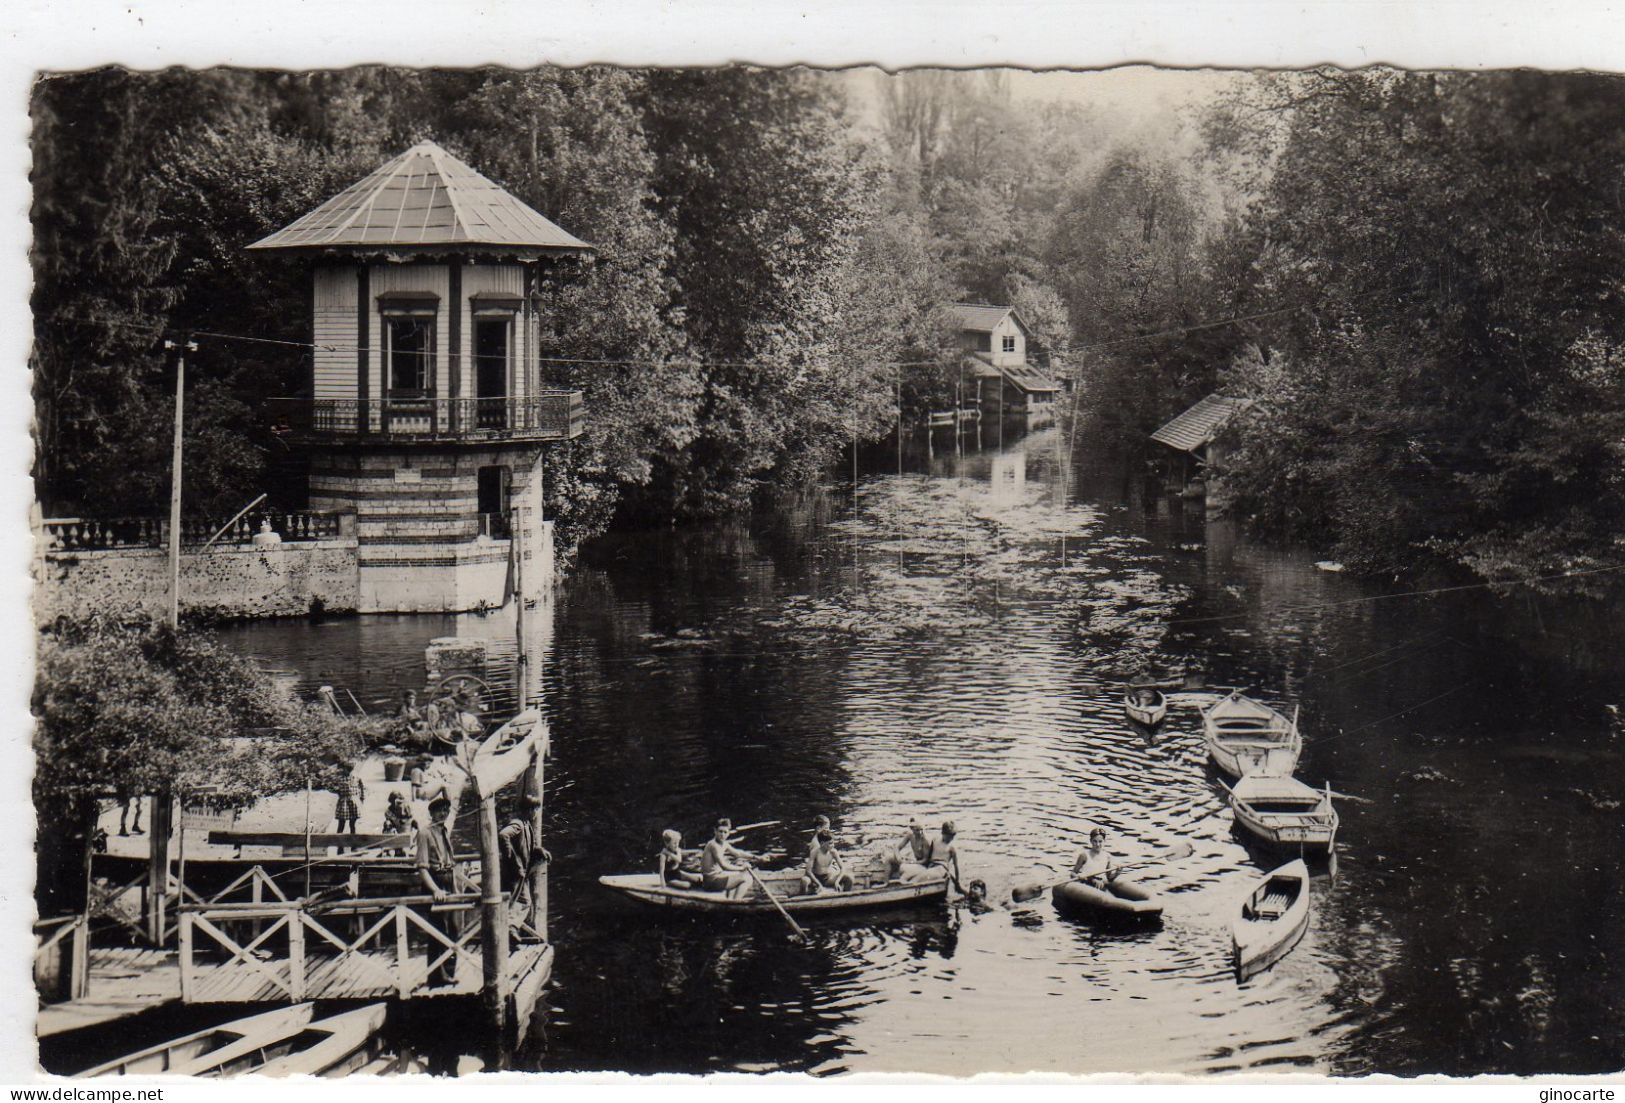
(788, 918)
(754, 826)
(1350, 796)
(1023, 893)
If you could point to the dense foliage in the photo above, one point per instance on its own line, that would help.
(124, 706)
(1413, 276)
(1452, 390)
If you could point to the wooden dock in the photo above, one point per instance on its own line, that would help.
(122, 983)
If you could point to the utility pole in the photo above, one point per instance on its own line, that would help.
(161, 821)
(495, 984)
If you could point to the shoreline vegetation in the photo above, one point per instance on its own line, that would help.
(1413, 277)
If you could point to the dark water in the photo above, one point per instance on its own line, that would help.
(953, 644)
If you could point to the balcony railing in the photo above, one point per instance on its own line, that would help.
(551, 415)
(92, 534)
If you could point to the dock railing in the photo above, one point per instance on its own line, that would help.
(347, 949)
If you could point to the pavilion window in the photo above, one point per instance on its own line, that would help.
(1009, 344)
(409, 351)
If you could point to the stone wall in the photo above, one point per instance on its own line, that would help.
(282, 580)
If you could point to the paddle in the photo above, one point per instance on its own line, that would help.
(1350, 796)
(788, 918)
(1023, 893)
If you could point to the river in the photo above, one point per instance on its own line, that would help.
(950, 641)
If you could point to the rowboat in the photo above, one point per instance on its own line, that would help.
(1271, 919)
(647, 887)
(197, 1054)
(1283, 811)
(1121, 899)
(331, 1047)
(1146, 715)
(508, 751)
(1244, 736)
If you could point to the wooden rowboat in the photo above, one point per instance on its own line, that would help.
(1147, 716)
(197, 1054)
(1245, 736)
(1271, 919)
(648, 888)
(1121, 900)
(331, 1047)
(1284, 812)
(507, 752)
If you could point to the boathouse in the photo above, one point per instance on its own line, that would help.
(426, 414)
(1196, 434)
(994, 340)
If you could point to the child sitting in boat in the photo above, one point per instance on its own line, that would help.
(824, 870)
(1094, 863)
(722, 866)
(669, 863)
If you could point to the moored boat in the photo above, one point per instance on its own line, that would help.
(331, 1047)
(1148, 711)
(786, 886)
(198, 1053)
(1284, 812)
(1245, 736)
(1121, 900)
(1270, 920)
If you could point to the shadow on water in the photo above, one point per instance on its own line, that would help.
(952, 642)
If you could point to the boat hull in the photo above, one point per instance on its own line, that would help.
(646, 888)
(346, 1042)
(1123, 901)
(1258, 943)
(1147, 716)
(1301, 820)
(1245, 737)
(201, 1053)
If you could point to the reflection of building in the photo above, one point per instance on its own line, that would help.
(994, 339)
(426, 414)
(1195, 434)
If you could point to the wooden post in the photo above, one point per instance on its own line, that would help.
(175, 484)
(159, 823)
(516, 548)
(538, 869)
(495, 985)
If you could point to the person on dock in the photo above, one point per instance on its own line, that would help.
(669, 863)
(519, 852)
(941, 859)
(437, 870)
(722, 867)
(906, 859)
(1094, 864)
(124, 810)
(398, 818)
(347, 810)
(824, 871)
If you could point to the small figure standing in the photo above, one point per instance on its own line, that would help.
(352, 794)
(437, 870)
(124, 810)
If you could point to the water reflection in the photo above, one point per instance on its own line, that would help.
(951, 641)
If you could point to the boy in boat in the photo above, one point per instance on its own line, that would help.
(906, 859)
(669, 863)
(824, 869)
(1094, 864)
(720, 868)
(941, 859)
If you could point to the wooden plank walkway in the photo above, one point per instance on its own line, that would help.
(122, 982)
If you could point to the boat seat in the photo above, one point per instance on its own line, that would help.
(1273, 906)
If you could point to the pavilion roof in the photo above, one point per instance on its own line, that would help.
(424, 200)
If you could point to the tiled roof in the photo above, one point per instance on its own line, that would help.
(1027, 378)
(979, 317)
(1198, 425)
(424, 197)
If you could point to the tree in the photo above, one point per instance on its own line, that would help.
(125, 707)
(1444, 395)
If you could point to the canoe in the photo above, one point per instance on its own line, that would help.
(1148, 716)
(1245, 736)
(331, 1047)
(508, 750)
(196, 1054)
(1270, 920)
(647, 887)
(1284, 812)
(1122, 899)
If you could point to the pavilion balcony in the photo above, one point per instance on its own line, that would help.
(549, 416)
